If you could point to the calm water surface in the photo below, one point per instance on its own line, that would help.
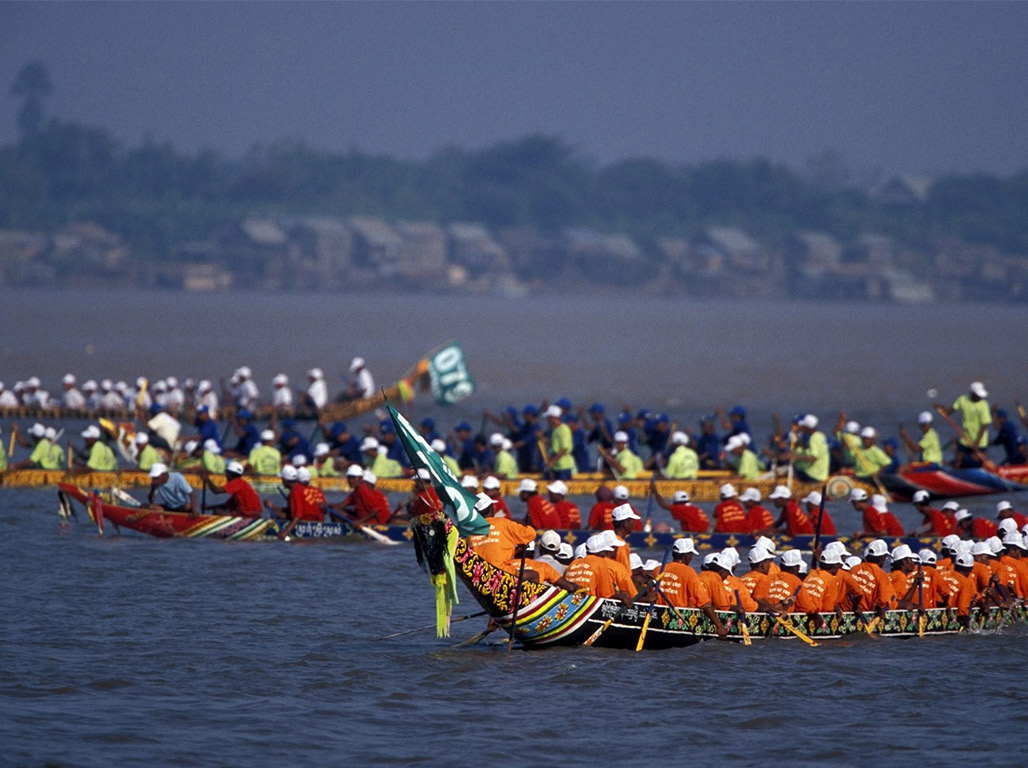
(131, 651)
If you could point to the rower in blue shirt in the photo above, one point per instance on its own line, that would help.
(736, 423)
(343, 444)
(292, 443)
(1008, 437)
(708, 444)
(248, 434)
(579, 447)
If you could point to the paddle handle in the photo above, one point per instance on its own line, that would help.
(517, 600)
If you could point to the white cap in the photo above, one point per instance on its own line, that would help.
(33, 381)
(620, 437)
(528, 485)
(809, 421)
(190, 446)
(879, 503)
(792, 558)
(211, 445)
(634, 561)
(598, 543)
(925, 418)
(580, 551)
(612, 538)
(157, 469)
(858, 494)
(553, 411)
(953, 506)
(679, 438)
(730, 556)
(780, 492)
(423, 474)
(566, 550)
(814, 497)
(922, 496)
(734, 442)
(159, 386)
(836, 546)
(620, 492)
(69, 378)
(321, 449)
(369, 444)
(950, 540)
(651, 565)
(558, 487)
(315, 373)
(507, 445)
(89, 386)
(550, 540)
(750, 494)
(496, 439)
(1007, 525)
(961, 514)
(852, 427)
(355, 470)
(928, 557)
(759, 555)
(91, 432)
(1003, 506)
(995, 544)
(299, 460)
(51, 434)
(280, 379)
(303, 475)
(979, 389)
(438, 446)
(624, 512)
(356, 364)
(245, 372)
(964, 560)
(234, 467)
(288, 472)
(141, 438)
(680, 497)
(684, 546)
(204, 385)
(470, 482)
(868, 432)
(876, 548)
(369, 477)
(981, 548)
(831, 557)
(766, 543)
(851, 562)
(491, 483)
(1013, 539)
(267, 435)
(172, 382)
(37, 430)
(804, 568)
(711, 557)
(902, 552)
(727, 491)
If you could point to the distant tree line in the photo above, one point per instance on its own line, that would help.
(155, 196)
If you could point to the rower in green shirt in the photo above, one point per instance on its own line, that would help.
(439, 446)
(814, 460)
(561, 462)
(747, 466)
(147, 455)
(683, 463)
(624, 464)
(504, 463)
(212, 460)
(265, 458)
(975, 418)
(41, 454)
(99, 456)
(928, 449)
(870, 459)
(324, 465)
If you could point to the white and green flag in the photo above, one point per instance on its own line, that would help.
(449, 375)
(457, 502)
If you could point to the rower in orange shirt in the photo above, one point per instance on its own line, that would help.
(623, 518)
(875, 586)
(789, 513)
(787, 592)
(542, 572)
(499, 545)
(1016, 556)
(570, 515)
(757, 579)
(539, 513)
(821, 584)
(769, 545)
(713, 577)
(594, 575)
(737, 587)
(759, 520)
(691, 519)
(729, 515)
(913, 586)
(951, 548)
(1007, 575)
(964, 592)
(839, 597)
(982, 555)
(681, 585)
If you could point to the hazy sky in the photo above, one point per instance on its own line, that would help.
(907, 87)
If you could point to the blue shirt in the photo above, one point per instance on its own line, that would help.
(175, 493)
(299, 446)
(209, 431)
(579, 450)
(711, 446)
(597, 436)
(249, 440)
(1007, 437)
(349, 449)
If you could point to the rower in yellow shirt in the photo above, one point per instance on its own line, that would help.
(623, 464)
(99, 456)
(929, 448)
(683, 463)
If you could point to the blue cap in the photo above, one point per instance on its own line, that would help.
(428, 423)
(201, 409)
(891, 442)
(463, 425)
(337, 429)
(386, 429)
(798, 418)
(244, 414)
(511, 410)
(1001, 413)
(156, 408)
(738, 411)
(707, 419)
(623, 417)
(530, 410)
(564, 403)
(643, 414)
(661, 418)
(570, 417)
(596, 408)
(288, 423)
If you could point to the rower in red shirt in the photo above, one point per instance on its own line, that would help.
(570, 515)
(759, 520)
(365, 503)
(729, 515)
(1005, 510)
(933, 521)
(691, 518)
(968, 527)
(812, 502)
(304, 502)
(539, 513)
(599, 515)
(243, 499)
(789, 513)
(491, 488)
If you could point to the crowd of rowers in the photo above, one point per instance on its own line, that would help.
(972, 573)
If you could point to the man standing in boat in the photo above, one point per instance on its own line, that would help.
(975, 418)
(560, 464)
(170, 491)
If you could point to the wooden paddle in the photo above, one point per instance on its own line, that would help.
(788, 625)
(861, 619)
(517, 599)
(367, 530)
(742, 620)
(920, 600)
(649, 609)
(430, 626)
(603, 628)
(476, 639)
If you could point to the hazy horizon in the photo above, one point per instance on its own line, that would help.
(893, 87)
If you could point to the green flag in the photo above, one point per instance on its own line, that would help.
(449, 375)
(457, 502)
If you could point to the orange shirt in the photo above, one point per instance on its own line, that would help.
(682, 586)
(845, 585)
(622, 576)
(822, 588)
(929, 594)
(875, 587)
(1008, 576)
(944, 564)
(730, 517)
(757, 584)
(948, 585)
(1021, 565)
(592, 575)
(963, 591)
(497, 547)
(899, 581)
(982, 574)
(546, 571)
(719, 596)
(690, 517)
(758, 518)
(784, 586)
(736, 585)
(570, 516)
(599, 516)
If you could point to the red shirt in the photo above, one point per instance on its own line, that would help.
(305, 502)
(827, 524)
(366, 501)
(502, 510)
(983, 529)
(541, 513)
(941, 525)
(730, 517)
(570, 517)
(873, 521)
(245, 500)
(599, 516)
(892, 525)
(796, 520)
(758, 518)
(690, 517)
